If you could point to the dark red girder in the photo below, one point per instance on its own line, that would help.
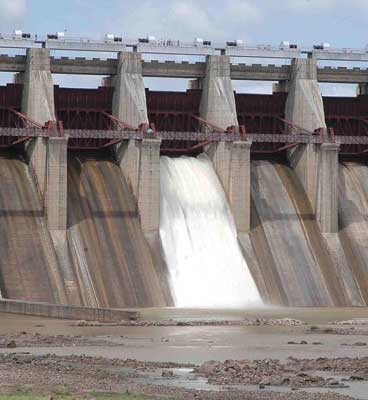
(173, 111)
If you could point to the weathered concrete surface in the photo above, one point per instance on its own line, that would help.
(129, 104)
(239, 188)
(56, 195)
(149, 186)
(38, 90)
(353, 205)
(295, 266)
(56, 211)
(128, 155)
(280, 87)
(36, 151)
(218, 101)
(327, 186)
(304, 108)
(362, 89)
(231, 161)
(112, 259)
(66, 312)
(220, 155)
(38, 104)
(344, 271)
(129, 98)
(28, 264)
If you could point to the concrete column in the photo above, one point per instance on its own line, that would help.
(220, 155)
(149, 186)
(129, 98)
(218, 100)
(280, 87)
(129, 104)
(239, 190)
(107, 81)
(327, 197)
(38, 104)
(128, 154)
(56, 194)
(362, 89)
(304, 105)
(231, 161)
(304, 108)
(218, 107)
(195, 83)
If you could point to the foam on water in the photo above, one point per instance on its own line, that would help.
(199, 238)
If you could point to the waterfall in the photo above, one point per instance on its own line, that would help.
(199, 238)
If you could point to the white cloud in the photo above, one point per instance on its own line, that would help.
(309, 6)
(186, 19)
(11, 11)
(242, 12)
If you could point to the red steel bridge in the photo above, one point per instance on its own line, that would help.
(84, 115)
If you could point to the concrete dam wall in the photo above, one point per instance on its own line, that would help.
(28, 266)
(295, 265)
(113, 263)
(83, 227)
(110, 263)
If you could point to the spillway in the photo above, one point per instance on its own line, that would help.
(113, 263)
(295, 266)
(199, 238)
(28, 265)
(353, 206)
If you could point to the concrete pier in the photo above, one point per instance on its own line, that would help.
(239, 190)
(304, 105)
(327, 195)
(138, 160)
(304, 108)
(230, 160)
(56, 211)
(149, 186)
(220, 155)
(56, 194)
(127, 154)
(362, 89)
(280, 87)
(129, 105)
(218, 107)
(129, 98)
(218, 100)
(38, 104)
(315, 165)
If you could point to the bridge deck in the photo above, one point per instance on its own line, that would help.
(171, 69)
(187, 136)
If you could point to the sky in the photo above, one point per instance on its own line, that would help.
(342, 23)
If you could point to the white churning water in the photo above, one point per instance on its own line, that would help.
(199, 238)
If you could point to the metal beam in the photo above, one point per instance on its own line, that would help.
(174, 47)
(171, 69)
(188, 136)
(339, 54)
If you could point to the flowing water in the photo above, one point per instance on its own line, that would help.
(199, 238)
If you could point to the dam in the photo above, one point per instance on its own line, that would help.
(121, 196)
